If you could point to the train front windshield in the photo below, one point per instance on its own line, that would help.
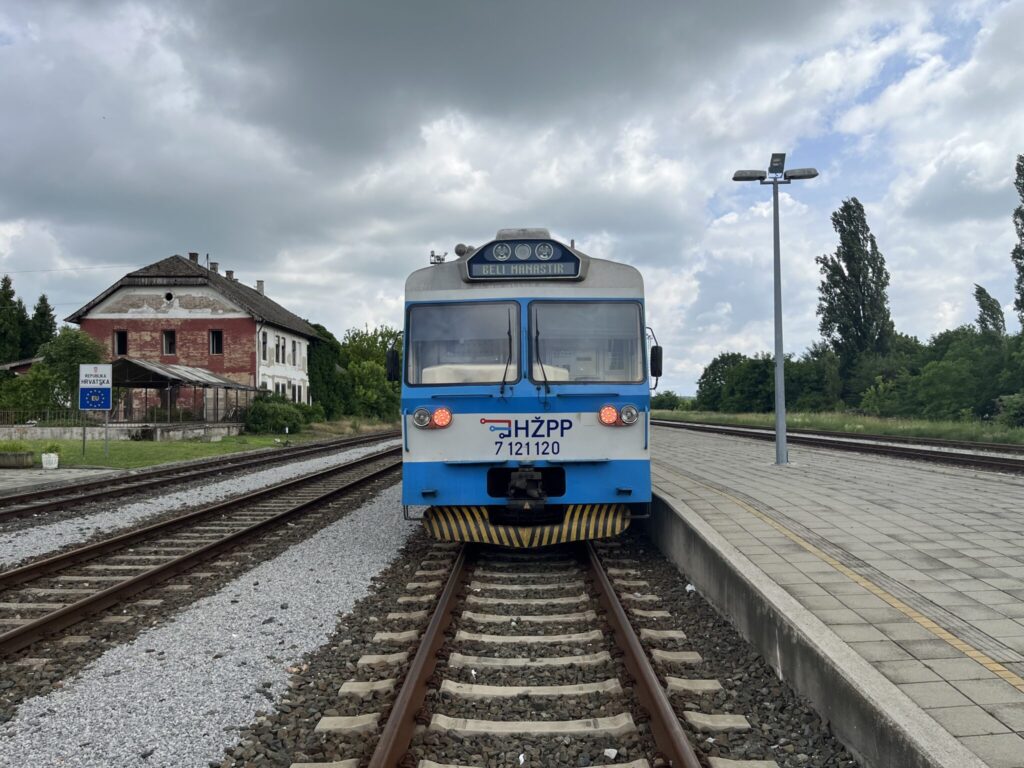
(464, 343)
(586, 341)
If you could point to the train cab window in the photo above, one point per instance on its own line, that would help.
(586, 341)
(463, 343)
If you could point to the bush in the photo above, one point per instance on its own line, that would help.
(271, 415)
(1011, 410)
(13, 446)
(311, 413)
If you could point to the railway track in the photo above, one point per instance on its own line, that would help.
(46, 596)
(936, 451)
(526, 659)
(38, 501)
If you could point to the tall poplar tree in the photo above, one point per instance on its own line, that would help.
(990, 312)
(1018, 250)
(853, 304)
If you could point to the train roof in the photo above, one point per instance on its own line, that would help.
(597, 278)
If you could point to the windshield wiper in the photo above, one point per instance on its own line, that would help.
(508, 360)
(536, 343)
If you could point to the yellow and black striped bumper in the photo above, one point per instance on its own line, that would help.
(583, 522)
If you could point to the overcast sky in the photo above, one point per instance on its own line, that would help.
(327, 147)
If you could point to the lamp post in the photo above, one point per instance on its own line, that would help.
(775, 175)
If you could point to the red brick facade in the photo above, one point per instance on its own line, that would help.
(192, 342)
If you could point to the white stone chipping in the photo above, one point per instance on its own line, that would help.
(17, 546)
(133, 699)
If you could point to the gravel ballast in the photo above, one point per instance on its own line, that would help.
(173, 696)
(23, 543)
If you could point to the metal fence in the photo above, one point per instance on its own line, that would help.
(154, 414)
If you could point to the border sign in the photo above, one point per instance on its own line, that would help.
(94, 386)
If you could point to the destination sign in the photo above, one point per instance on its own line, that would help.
(523, 260)
(539, 269)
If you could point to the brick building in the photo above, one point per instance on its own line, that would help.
(181, 312)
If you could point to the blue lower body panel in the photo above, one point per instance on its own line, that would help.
(606, 482)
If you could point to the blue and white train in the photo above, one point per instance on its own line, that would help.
(525, 393)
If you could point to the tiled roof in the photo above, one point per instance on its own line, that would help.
(177, 270)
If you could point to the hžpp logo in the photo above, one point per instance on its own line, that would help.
(537, 427)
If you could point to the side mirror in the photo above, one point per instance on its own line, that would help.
(656, 362)
(393, 365)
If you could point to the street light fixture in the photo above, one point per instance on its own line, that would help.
(778, 174)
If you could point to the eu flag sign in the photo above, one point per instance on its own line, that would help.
(94, 386)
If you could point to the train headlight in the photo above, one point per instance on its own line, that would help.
(629, 414)
(523, 251)
(441, 417)
(421, 418)
(608, 415)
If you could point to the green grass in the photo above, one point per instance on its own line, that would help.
(131, 454)
(974, 431)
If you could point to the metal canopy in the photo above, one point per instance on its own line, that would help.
(131, 373)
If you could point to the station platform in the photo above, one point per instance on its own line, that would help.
(19, 480)
(889, 592)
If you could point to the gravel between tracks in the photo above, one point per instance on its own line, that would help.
(20, 542)
(173, 696)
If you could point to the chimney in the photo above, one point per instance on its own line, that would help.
(229, 274)
(259, 287)
(193, 257)
(213, 266)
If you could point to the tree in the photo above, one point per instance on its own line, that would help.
(328, 384)
(712, 380)
(63, 355)
(990, 313)
(12, 322)
(668, 401)
(749, 386)
(42, 327)
(852, 301)
(1017, 255)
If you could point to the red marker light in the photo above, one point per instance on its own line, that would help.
(442, 417)
(608, 415)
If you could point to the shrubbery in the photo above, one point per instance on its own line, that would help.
(271, 415)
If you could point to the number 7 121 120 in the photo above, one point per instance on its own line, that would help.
(527, 448)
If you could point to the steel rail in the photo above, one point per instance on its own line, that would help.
(669, 735)
(24, 503)
(936, 442)
(20, 637)
(398, 731)
(39, 568)
(850, 443)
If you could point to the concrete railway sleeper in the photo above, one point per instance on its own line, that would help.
(551, 659)
(38, 501)
(63, 588)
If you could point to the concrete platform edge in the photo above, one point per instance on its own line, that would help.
(868, 713)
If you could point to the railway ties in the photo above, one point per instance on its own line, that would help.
(42, 500)
(48, 595)
(532, 656)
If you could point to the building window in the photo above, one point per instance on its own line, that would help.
(298, 397)
(216, 342)
(295, 353)
(170, 343)
(120, 343)
(264, 346)
(277, 349)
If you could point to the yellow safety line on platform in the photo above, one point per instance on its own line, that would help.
(968, 650)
